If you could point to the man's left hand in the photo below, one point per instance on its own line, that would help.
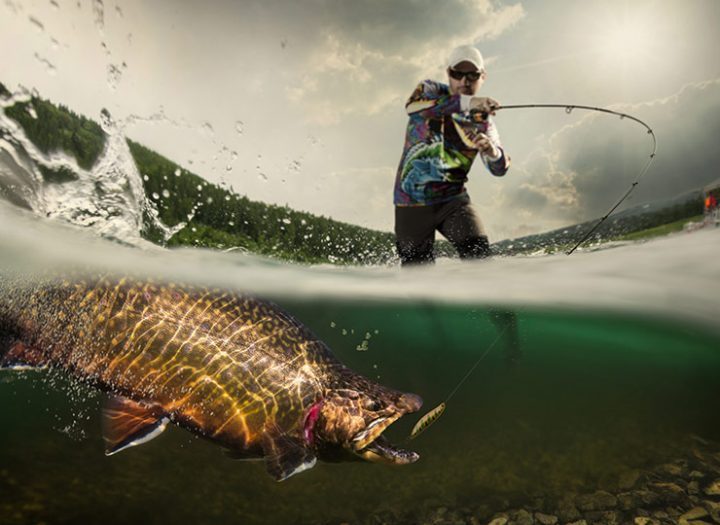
(485, 145)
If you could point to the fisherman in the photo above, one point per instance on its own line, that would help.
(442, 140)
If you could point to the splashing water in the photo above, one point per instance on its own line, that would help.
(109, 198)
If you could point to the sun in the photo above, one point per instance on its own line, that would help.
(625, 39)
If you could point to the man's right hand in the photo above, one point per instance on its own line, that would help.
(484, 105)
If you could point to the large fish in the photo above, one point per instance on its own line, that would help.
(232, 368)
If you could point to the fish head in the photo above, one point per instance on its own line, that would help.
(354, 418)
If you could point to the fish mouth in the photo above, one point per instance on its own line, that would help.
(371, 445)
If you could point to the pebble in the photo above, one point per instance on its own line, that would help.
(628, 479)
(694, 514)
(598, 500)
(500, 520)
(713, 489)
(714, 509)
(546, 519)
(522, 517)
(641, 520)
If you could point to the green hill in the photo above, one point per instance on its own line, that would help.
(215, 217)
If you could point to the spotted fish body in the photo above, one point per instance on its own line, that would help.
(233, 368)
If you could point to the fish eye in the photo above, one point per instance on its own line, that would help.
(372, 405)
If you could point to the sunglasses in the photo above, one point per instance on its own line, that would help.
(471, 75)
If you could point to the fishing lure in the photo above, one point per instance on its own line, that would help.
(432, 416)
(569, 109)
(427, 420)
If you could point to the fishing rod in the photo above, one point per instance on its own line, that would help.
(569, 109)
(433, 415)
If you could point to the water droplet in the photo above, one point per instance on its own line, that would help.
(114, 75)
(199, 187)
(569, 109)
(146, 178)
(37, 23)
(178, 171)
(99, 11)
(166, 194)
(209, 200)
(239, 127)
(155, 196)
(49, 66)
(262, 177)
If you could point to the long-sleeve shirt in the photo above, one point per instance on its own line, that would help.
(439, 152)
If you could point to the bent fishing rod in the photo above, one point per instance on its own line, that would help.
(569, 109)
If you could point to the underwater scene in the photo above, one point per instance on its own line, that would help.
(587, 396)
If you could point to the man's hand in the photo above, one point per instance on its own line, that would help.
(484, 105)
(483, 143)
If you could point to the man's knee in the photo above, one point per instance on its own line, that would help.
(474, 247)
(414, 254)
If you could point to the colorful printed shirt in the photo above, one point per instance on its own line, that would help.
(439, 152)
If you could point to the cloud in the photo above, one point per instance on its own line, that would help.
(580, 171)
(370, 54)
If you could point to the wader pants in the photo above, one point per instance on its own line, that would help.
(456, 219)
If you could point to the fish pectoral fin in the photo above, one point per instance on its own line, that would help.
(22, 357)
(127, 423)
(285, 457)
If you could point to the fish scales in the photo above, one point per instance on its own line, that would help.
(169, 345)
(227, 366)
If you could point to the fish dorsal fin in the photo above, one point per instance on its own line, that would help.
(127, 423)
(285, 456)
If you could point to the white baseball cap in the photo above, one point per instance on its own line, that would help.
(466, 54)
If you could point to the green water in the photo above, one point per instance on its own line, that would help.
(580, 399)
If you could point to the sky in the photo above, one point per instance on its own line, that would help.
(302, 103)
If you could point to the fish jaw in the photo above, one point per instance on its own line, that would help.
(382, 451)
(372, 445)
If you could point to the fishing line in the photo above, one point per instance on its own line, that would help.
(569, 109)
(432, 416)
